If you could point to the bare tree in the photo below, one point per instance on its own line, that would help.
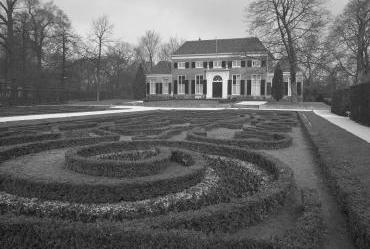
(282, 24)
(119, 56)
(42, 18)
(150, 44)
(351, 34)
(102, 30)
(7, 8)
(167, 49)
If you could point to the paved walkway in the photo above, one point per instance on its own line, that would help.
(345, 123)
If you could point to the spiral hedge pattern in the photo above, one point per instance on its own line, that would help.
(187, 179)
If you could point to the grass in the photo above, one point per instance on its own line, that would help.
(345, 160)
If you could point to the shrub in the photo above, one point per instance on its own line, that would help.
(28, 138)
(341, 102)
(84, 161)
(76, 126)
(360, 103)
(282, 141)
(182, 158)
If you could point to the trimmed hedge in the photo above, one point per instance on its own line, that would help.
(309, 230)
(360, 103)
(337, 164)
(341, 103)
(206, 192)
(283, 141)
(77, 126)
(37, 147)
(28, 232)
(124, 190)
(28, 139)
(82, 161)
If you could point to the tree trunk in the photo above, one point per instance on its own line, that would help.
(98, 71)
(10, 45)
(63, 75)
(292, 57)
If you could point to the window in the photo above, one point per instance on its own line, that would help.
(152, 87)
(181, 85)
(269, 88)
(217, 64)
(237, 63)
(256, 85)
(199, 64)
(236, 84)
(181, 65)
(199, 84)
(165, 88)
(256, 63)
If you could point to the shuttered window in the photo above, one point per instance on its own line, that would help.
(181, 84)
(199, 84)
(236, 84)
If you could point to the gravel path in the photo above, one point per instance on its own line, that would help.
(301, 159)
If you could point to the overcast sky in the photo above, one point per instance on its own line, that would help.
(187, 19)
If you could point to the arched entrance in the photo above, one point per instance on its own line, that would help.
(217, 87)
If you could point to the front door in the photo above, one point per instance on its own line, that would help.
(217, 87)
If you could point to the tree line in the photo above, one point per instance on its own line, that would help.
(332, 52)
(40, 52)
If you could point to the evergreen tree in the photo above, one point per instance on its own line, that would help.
(139, 84)
(277, 83)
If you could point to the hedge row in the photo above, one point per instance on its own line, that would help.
(13, 133)
(202, 194)
(23, 232)
(82, 161)
(121, 190)
(360, 103)
(349, 190)
(77, 126)
(309, 230)
(283, 141)
(37, 147)
(21, 139)
(29, 233)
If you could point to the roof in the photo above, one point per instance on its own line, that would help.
(238, 45)
(163, 67)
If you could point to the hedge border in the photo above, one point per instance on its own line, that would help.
(29, 232)
(205, 192)
(128, 190)
(352, 203)
(285, 142)
(12, 140)
(80, 161)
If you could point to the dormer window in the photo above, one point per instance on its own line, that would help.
(181, 65)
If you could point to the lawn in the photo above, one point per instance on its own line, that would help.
(165, 179)
(345, 161)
